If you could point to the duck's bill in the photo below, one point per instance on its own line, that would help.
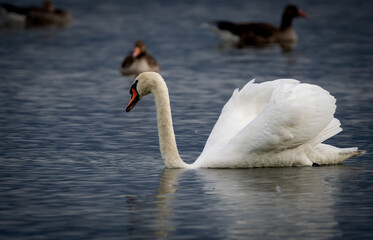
(302, 14)
(134, 99)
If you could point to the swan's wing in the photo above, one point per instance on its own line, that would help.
(295, 115)
(241, 109)
(273, 116)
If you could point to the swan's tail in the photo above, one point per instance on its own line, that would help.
(346, 153)
(359, 152)
(325, 154)
(351, 152)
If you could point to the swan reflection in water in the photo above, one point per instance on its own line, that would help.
(247, 202)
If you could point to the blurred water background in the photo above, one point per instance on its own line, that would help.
(75, 165)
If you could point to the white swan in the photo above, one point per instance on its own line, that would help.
(273, 124)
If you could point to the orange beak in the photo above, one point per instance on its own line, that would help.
(134, 99)
(136, 52)
(302, 14)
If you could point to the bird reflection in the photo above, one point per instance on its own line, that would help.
(298, 196)
(149, 216)
(167, 187)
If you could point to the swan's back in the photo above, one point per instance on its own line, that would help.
(270, 118)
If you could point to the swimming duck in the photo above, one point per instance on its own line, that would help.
(253, 33)
(139, 61)
(45, 15)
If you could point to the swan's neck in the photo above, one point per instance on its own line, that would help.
(167, 142)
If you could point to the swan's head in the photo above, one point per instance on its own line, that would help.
(144, 84)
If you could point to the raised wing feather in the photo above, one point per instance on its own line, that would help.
(241, 109)
(295, 115)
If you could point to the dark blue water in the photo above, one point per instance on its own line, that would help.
(74, 165)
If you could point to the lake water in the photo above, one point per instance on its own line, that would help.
(75, 165)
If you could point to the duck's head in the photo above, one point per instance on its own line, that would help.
(144, 84)
(139, 49)
(292, 11)
(48, 6)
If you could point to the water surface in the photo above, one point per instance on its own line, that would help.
(74, 164)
